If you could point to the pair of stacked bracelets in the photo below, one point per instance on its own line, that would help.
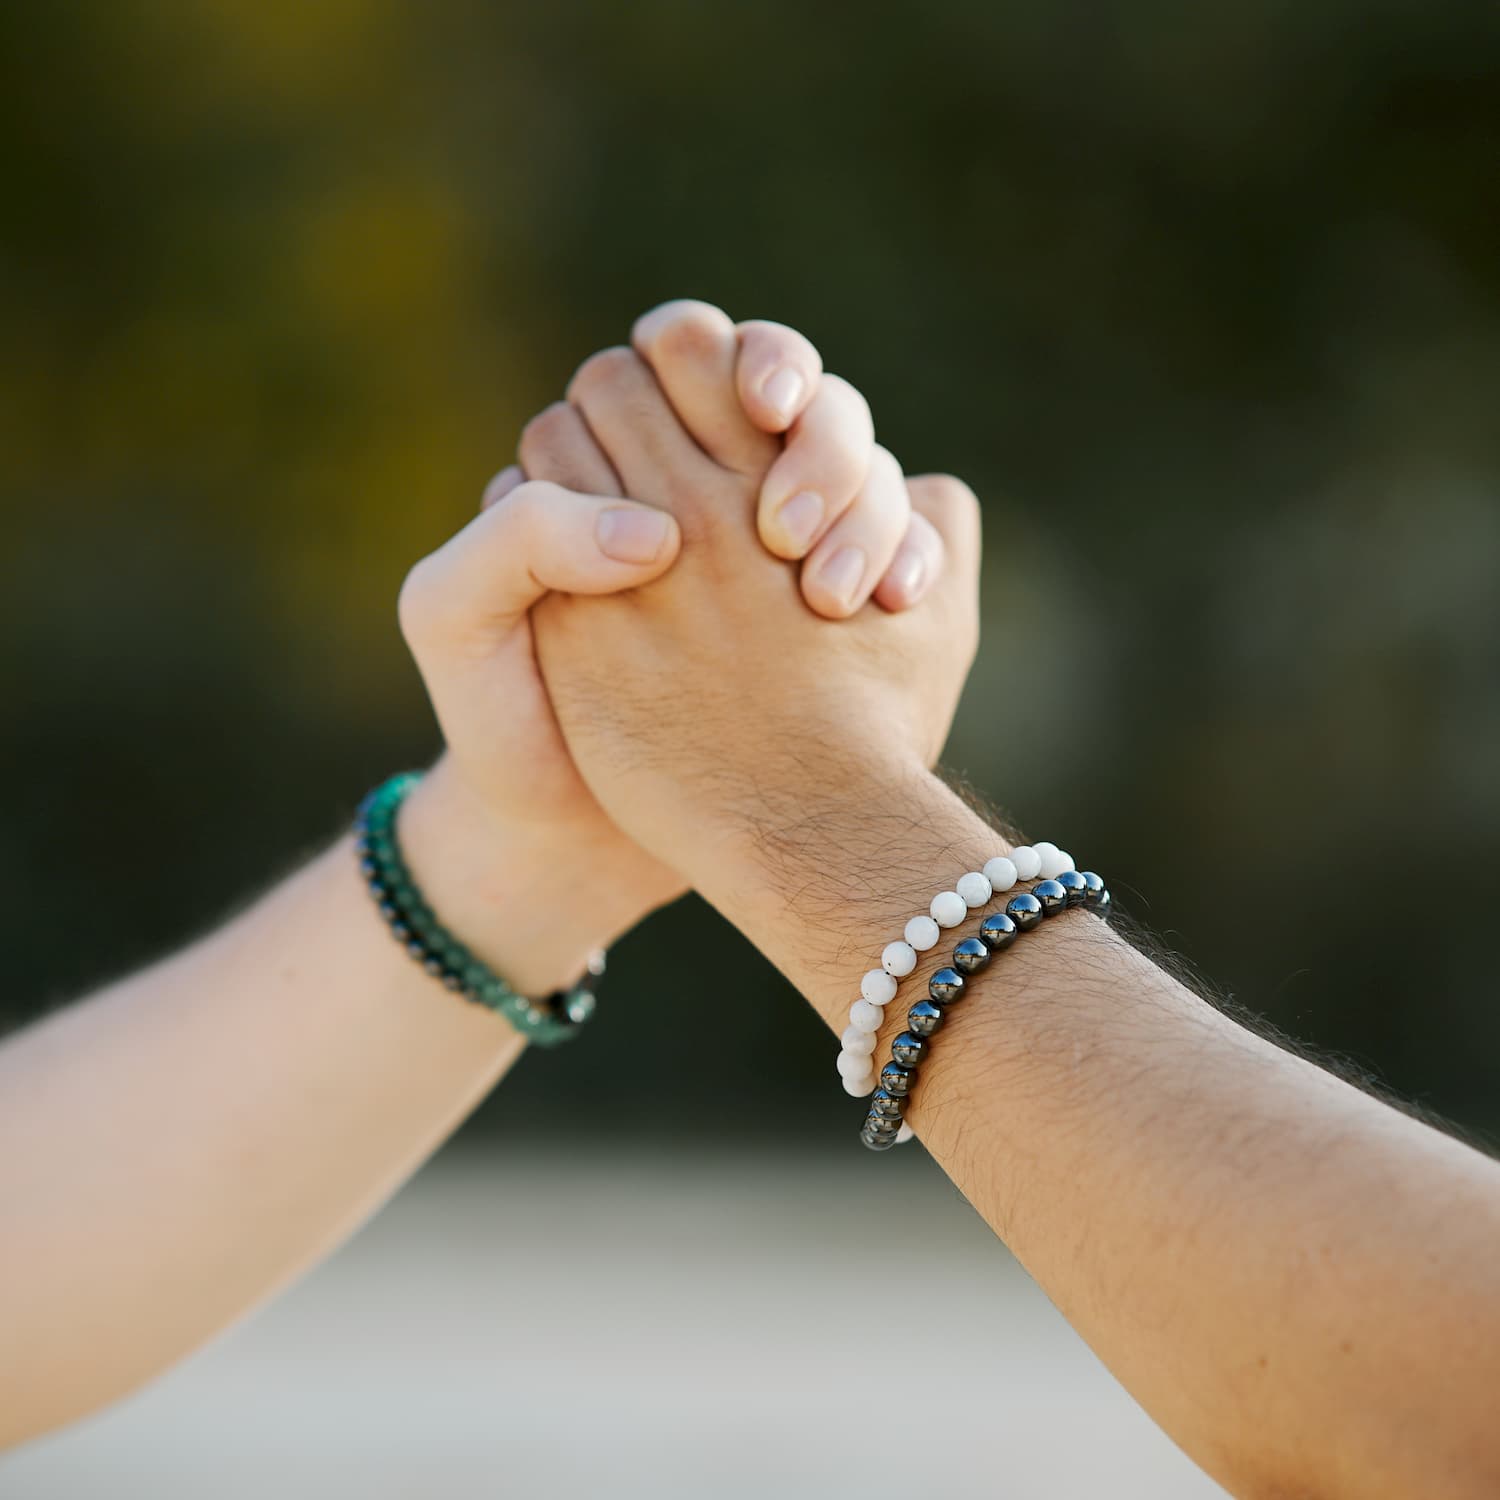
(884, 1125)
(546, 1022)
(948, 908)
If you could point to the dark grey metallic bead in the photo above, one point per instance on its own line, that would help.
(997, 931)
(882, 1124)
(1075, 885)
(946, 986)
(1095, 884)
(970, 955)
(1025, 911)
(877, 1142)
(1102, 904)
(896, 1080)
(883, 1102)
(924, 1018)
(909, 1049)
(1052, 895)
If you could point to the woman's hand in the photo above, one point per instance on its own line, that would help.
(507, 786)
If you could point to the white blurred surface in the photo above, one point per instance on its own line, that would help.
(702, 1326)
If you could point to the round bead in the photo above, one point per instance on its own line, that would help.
(997, 931)
(878, 987)
(1054, 860)
(974, 888)
(1000, 873)
(864, 1016)
(949, 908)
(855, 1040)
(904, 1134)
(1052, 896)
(884, 1102)
(1024, 910)
(854, 1064)
(924, 1018)
(909, 1049)
(945, 986)
(1027, 861)
(1075, 885)
(878, 1124)
(970, 955)
(922, 933)
(860, 1086)
(896, 1080)
(877, 1142)
(1102, 903)
(898, 959)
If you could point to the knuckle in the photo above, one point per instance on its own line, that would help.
(547, 429)
(524, 510)
(775, 343)
(850, 398)
(951, 494)
(419, 603)
(599, 372)
(684, 330)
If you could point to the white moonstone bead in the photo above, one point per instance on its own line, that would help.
(878, 987)
(904, 1134)
(922, 933)
(898, 959)
(854, 1064)
(1054, 861)
(949, 908)
(1027, 861)
(1000, 873)
(855, 1040)
(974, 888)
(865, 1084)
(865, 1017)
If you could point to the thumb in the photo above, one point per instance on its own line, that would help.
(537, 538)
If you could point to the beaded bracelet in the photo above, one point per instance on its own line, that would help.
(885, 1125)
(545, 1022)
(878, 988)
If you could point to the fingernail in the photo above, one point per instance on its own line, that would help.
(783, 390)
(631, 535)
(843, 573)
(907, 572)
(799, 518)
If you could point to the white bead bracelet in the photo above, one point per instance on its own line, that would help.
(856, 1060)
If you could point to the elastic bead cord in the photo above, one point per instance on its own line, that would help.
(545, 1022)
(898, 959)
(885, 1125)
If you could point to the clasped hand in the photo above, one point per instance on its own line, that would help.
(703, 596)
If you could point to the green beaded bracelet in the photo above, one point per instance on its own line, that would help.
(545, 1022)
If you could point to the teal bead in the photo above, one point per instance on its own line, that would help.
(445, 957)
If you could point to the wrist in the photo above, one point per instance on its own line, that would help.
(531, 900)
(822, 883)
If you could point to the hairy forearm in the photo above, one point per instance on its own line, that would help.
(1298, 1282)
(178, 1146)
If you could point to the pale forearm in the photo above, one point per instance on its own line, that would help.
(178, 1146)
(1297, 1282)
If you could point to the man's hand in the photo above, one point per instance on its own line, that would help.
(507, 789)
(709, 701)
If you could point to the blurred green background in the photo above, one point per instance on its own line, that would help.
(1202, 300)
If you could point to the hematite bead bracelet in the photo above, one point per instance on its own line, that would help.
(878, 988)
(884, 1124)
(545, 1022)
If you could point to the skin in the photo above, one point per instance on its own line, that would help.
(1296, 1281)
(1299, 1283)
(224, 1119)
